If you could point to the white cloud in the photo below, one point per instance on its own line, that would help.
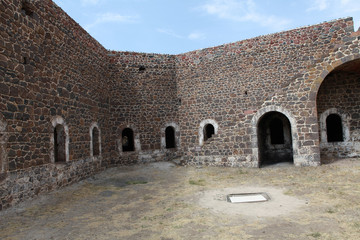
(111, 17)
(243, 11)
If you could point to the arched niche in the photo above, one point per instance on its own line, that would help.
(59, 141)
(95, 140)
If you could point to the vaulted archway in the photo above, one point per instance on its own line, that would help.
(338, 104)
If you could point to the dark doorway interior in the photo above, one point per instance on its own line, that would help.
(127, 140)
(209, 130)
(170, 137)
(59, 143)
(274, 139)
(334, 129)
(276, 131)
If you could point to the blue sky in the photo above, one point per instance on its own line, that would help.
(178, 26)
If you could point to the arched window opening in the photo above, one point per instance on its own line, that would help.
(209, 130)
(276, 131)
(170, 137)
(59, 143)
(95, 141)
(127, 140)
(334, 128)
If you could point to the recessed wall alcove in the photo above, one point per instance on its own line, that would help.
(95, 140)
(59, 141)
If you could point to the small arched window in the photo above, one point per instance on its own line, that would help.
(276, 131)
(334, 128)
(209, 130)
(170, 137)
(95, 142)
(127, 137)
(59, 143)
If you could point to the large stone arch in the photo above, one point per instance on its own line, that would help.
(319, 72)
(325, 76)
(297, 158)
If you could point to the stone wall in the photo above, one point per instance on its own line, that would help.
(230, 83)
(218, 100)
(145, 99)
(49, 68)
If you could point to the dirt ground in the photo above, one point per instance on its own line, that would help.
(165, 201)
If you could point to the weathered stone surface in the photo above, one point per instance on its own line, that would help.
(53, 72)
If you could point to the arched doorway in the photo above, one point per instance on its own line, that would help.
(274, 139)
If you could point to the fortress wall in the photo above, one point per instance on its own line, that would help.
(144, 98)
(53, 75)
(50, 68)
(230, 83)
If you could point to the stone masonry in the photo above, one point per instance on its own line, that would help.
(70, 108)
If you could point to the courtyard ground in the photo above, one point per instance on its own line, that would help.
(165, 201)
